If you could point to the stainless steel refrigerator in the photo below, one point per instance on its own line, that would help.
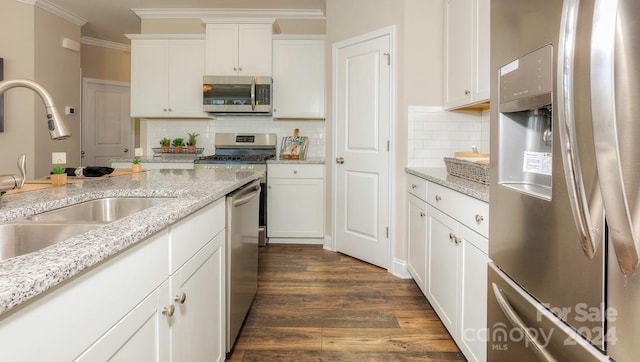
(565, 172)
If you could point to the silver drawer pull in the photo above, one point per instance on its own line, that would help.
(479, 218)
(295, 171)
(422, 214)
(452, 236)
(438, 198)
(168, 311)
(180, 298)
(413, 186)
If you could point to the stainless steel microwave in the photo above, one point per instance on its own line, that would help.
(237, 95)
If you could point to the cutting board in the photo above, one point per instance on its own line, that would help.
(33, 185)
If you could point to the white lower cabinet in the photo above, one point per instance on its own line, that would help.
(295, 201)
(450, 243)
(130, 307)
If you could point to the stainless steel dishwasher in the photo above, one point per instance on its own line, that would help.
(242, 255)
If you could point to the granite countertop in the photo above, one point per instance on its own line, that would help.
(441, 177)
(186, 158)
(24, 277)
(310, 160)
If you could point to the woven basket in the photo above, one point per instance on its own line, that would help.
(468, 170)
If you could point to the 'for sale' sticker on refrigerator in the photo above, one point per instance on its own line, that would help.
(537, 162)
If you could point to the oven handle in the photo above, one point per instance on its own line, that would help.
(246, 195)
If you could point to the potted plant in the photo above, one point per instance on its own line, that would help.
(177, 143)
(136, 166)
(164, 144)
(191, 144)
(58, 176)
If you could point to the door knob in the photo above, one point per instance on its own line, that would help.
(126, 150)
(340, 160)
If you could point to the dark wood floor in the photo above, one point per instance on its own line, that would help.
(317, 305)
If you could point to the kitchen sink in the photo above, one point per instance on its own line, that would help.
(99, 210)
(23, 238)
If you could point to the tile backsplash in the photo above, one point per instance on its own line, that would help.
(435, 133)
(151, 131)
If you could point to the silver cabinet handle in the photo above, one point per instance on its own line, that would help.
(438, 198)
(168, 311)
(452, 236)
(240, 69)
(567, 131)
(617, 199)
(180, 298)
(235, 69)
(517, 322)
(414, 186)
(164, 109)
(479, 218)
(340, 160)
(422, 214)
(467, 92)
(295, 171)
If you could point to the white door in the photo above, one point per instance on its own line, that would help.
(362, 86)
(106, 122)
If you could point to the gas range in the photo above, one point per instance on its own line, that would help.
(240, 151)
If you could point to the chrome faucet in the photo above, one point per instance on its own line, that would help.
(58, 128)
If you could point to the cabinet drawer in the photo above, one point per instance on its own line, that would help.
(471, 212)
(192, 233)
(297, 170)
(417, 186)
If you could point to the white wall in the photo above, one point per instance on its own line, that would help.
(435, 133)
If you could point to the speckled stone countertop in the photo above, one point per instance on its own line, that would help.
(310, 160)
(441, 177)
(186, 158)
(24, 277)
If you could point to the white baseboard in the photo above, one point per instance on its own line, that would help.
(328, 243)
(399, 269)
(310, 241)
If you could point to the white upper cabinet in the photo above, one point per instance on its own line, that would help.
(298, 77)
(466, 52)
(166, 76)
(238, 49)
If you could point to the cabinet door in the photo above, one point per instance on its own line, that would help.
(186, 68)
(482, 21)
(458, 51)
(298, 71)
(142, 335)
(149, 78)
(442, 264)
(254, 49)
(295, 208)
(417, 245)
(473, 309)
(198, 330)
(221, 56)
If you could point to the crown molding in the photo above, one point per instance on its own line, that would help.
(56, 10)
(208, 13)
(105, 44)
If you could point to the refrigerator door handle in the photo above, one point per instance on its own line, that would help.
(622, 231)
(517, 322)
(567, 130)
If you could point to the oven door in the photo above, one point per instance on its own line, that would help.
(237, 95)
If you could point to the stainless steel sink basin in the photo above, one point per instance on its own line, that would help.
(23, 238)
(99, 210)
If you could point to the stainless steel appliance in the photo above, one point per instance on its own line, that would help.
(241, 256)
(244, 151)
(564, 180)
(237, 95)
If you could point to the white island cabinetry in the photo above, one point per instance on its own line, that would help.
(295, 202)
(448, 259)
(128, 308)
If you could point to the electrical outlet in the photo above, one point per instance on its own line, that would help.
(58, 158)
(138, 152)
(69, 111)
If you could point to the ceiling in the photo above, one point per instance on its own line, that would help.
(110, 20)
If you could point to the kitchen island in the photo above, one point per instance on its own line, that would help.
(79, 283)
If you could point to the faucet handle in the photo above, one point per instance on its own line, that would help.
(22, 166)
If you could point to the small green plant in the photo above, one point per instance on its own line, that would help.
(177, 142)
(192, 139)
(58, 170)
(136, 161)
(165, 142)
